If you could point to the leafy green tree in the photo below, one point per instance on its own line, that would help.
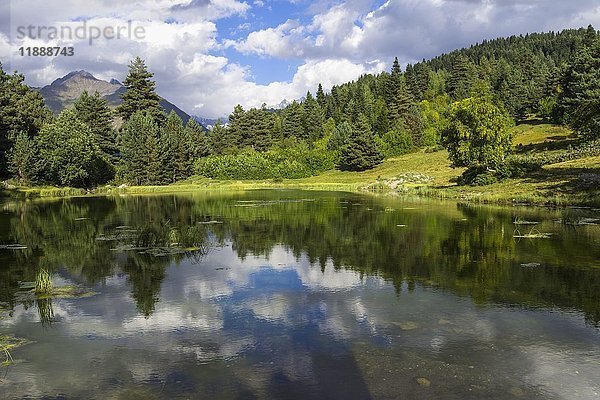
(477, 135)
(141, 94)
(23, 159)
(68, 152)
(94, 112)
(360, 152)
(22, 109)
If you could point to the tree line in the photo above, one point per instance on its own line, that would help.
(464, 101)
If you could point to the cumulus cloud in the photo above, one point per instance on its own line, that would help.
(206, 72)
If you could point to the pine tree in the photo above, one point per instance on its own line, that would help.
(95, 113)
(140, 94)
(360, 152)
(217, 138)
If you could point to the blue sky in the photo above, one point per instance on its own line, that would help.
(209, 55)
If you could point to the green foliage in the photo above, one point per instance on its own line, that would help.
(68, 153)
(477, 136)
(292, 162)
(140, 94)
(396, 142)
(547, 108)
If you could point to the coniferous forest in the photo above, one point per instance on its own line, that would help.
(464, 101)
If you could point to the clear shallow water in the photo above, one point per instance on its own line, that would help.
(301, 295)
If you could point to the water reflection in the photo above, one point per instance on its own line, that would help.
(276, 295)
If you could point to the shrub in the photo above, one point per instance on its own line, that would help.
(283, 163)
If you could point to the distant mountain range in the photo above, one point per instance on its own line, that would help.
(63, 92)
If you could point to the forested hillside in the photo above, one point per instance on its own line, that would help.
(464, 101)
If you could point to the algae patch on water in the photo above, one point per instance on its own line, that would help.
(7, 343)
(28, 292)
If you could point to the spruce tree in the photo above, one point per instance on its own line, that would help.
(237, 128)
(139, 145)
(174, 150)
(292, 124)
(360, 152)
(580, 100)
(95, 113)
(217, 138)
(313, 118)
(462, 75)
(197, 139)
(321, 99)
(140, 94)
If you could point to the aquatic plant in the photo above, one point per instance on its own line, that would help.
(43, 282)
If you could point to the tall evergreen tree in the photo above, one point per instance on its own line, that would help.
(175, 150)
(197, 139)
(292, 124)
(360, 152)
(321, 97)
(313, 118)
(580, 100)
(95, 113)
(237, 129)
(218, 138)
(140, 94)
(139, 143)
(462, 74)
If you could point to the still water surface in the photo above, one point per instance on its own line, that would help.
(300, 295)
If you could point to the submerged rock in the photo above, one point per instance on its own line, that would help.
(424, 382)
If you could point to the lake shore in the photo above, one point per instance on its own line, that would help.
(570, 183)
